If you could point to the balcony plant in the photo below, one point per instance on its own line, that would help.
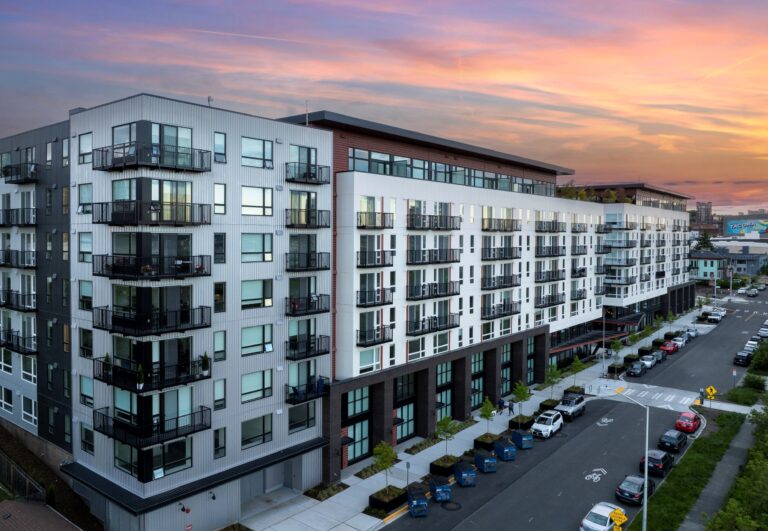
(205, 364)
(146, 269)
(140, 377)
(107, 364)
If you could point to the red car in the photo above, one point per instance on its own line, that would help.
(688, 422)
(670, 347)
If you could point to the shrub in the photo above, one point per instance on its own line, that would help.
(752, 381)
(760, 360)
(629, 359)
(548, 404)
(744, 396)
(578, 389)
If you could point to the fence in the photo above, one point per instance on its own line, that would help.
(20, 483)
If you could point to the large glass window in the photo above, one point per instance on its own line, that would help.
(256, 201)
(256, 152)
(255, 247)
(29, 369)
(65, 152)
(219, 248)
(85, 246)
(6, 361)
(6, 399)
(86, 295)
(406, 428)
(219, 297)
(370, 360)
(444, 373)
(301, 417)
(256, 294)
(219, 442)
(444, 403)
(360, 446)
(357, 401)
(29, 410)
(256, 431)
(219, 198)
(219, 394)
(85, 198)
(126, 458)
(256, 339)
(171, 457)
(256, 385)
(86, 343)
(85, 148)
(219, 345)
(219, 147)
(125, 405)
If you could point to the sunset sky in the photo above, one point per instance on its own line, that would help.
(673, 93)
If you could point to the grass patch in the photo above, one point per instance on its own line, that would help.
(381, 514)
(371, 470)
(746, 396)
(431, 441)
(674, 499)
(323, 492)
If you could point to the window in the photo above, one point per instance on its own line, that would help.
(85, 148)
(219, 394)
(48, 289)
(219, 198)
(256, 153)
(256, 431)
(126, 458)
(6, 361)
(48, 201)
(256, 294)
(219, 297)
(29, 410)
(65, 292)
(444, 373)
(357, 401)
(29, 369)
(6, 399)
(85, 247)
(301, 417)
(219, 147)
(65, 246)
(86, 295)
(67, 429)
(48, 245)
(370, 360)
(65, 152)
(219, 442)
(219, 248)
(255, 386)
(49, 332)
(125, 405)
(85, 198)
(65, 200)
(49, 374)
(86, 391)
(5, 160)
(220, 345)
(67, 381)
(256, 201)
(255, 248)
(86, 343)
(66, 338)
(256, 340)
(86, 439)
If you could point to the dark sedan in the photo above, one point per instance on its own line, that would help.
(672, 441)
(637, 369)
(659, 463)
(743, 358)
(631, 490)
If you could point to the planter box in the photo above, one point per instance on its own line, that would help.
(525, 425)
(615, 369)
(439, 469)
(479, 444)
(388, 505)
(657, 343)
(548, 404)
(578, 389)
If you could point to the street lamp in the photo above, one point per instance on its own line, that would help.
(602, 353)
(645, 468)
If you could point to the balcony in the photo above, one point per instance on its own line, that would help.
(661, 243)
(661, 226)
(661, 258)
(661, 274)
(434, 290)
(23, 173)
(645, 277)
(18, 217)
(433, 256)
(545, 301)
(307, 218)
(128, 322)
(130, 267)
(645, 226)
(304, 347)
(578, 228)
(374, 336)
(621, 262)
(551, 226)
(600, 269)
(623, 225)
(298, 306)
(549, 251)
(500, 282)
(125, 374)
(646, 242)
(20, 259)
(307, 261)
(677, 256)
(500, 253)
(133, 155)
(501, 225)
(599, 289)
(602, 249)
(623, 244)
(602, 229)
(550, 276)
(578, 272)
(376, 297)
(677, 228)
(621, 281)
(26, 345)
(578, 294)
(435, 323)
(645, 260)
(117, 425)
(298, 394)
(304, 173)
(15, 300)
(432, 222)
(375, 258)
(151, 213)
(502, 309)
(578, 250)
(676, 270)
(375, 220)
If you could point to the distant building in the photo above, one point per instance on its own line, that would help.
(704, 212)
(744, 259)
(708, 265)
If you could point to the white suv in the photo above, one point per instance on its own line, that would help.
(547, 424)
(741, 291)
(680, 341)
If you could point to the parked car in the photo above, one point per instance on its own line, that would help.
(751, 345)
(752, 293)
(637, 369)
(763, 332)
(742, 358)
(714, 318)
(761, 287)
(670, 347)
(749, 348)
(756, 339)
(659, 462)
(672, 441)
(631, 489)
(688, 422)
(741, 291)
(660, 355)
(692, 333)
(571, 406)
(547, 424)
(599, 517)
(649, 360)
(680, 341)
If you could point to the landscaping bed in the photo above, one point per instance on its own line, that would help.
(443, 466)
(431, 441)
(485, 442)
(751, 390)
(370, 470)
(323, 492)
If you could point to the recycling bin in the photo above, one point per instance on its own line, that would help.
(485, 461)
(522, 439)
(418, 505)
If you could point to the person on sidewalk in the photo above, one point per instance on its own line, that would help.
(511, 407)
(500, 405)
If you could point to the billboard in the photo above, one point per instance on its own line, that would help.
(736, 227)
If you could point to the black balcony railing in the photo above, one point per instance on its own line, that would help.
(501, 225)
(128, 374)
(433, 222)
(146, 155)
(376, 297)
(623, 244)
(20, 259)
(602, 249)
(374, 336)
(550, 276)
(298, 394)
(544, 251)
(500, 282)
(600, 269)
(123, 427)
(600, 289)
(151, 213)
(500, 253)
(676, 228)
(621, 281)
(296, 218)
(578, 250)
(676, 270)
(432, 256)
(297, 306)
(546, 301)
(417, 292)
(304, 347)
(578, 294)
(435, 323)
(623, 225)
(18, 217)
(23, 173)
(661, 243)
(128, 322)
(551, 226)
(11, 339)
(375, 220)
(578, 272)
(15, 300)
(578, 227)
(502, 309)
(307, 261)
(661, 258)
(621, 262)
(661, 226)
(375, 258)
(646, 242)
(677, 256)
(602, 229)
(132, 267)
(302, 172)
(645, 260)
(645, 277)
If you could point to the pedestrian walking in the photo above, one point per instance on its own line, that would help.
(511, 407)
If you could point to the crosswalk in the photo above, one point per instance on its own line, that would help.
(651, 395)
(661, 396)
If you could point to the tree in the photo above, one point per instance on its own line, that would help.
(670, 318)
(567, 191)
(444, 430)
(609, 196)
(521, 393)
(616, 346)
(384, 457)
(553, 376)
(704, 243)
(582, 195)
(576, 367)
(486, 412)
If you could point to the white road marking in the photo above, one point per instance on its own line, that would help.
(669, 398)
(686, 400)
(656, 396)
(642, 394)
(630, 391)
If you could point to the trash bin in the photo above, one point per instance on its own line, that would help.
(522, 439)
(485, 461)
(465, 474)
(440, 488)
(418, 505)
(505, 450)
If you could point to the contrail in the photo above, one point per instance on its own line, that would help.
(249, 36)
(733, 65)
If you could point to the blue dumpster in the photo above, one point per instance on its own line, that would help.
(417, 501)
(485, 461)
(522, 439)
(505, 449)
(465, 474)
(440, 488)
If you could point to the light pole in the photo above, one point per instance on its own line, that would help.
(602, 354)
(645, 468)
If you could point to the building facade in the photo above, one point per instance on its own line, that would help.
(708, 266)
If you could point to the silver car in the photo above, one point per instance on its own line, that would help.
(649, 360)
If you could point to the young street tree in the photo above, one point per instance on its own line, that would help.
(444, 431)
(553, 377)
(486, 412)
(384, 457)
(521, 393)
(577, 366)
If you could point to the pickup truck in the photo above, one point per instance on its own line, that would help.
(571, 406)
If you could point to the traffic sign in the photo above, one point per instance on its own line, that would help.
(616, 527)
(618, 517)
(711, 392)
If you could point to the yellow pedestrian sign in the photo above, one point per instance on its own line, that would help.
(711, 392)
(618, 517)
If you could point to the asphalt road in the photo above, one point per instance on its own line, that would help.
(545, 488)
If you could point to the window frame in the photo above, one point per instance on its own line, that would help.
(264, 208)
(85, 256)
(218, 206)
(64, 152)
(84, 303)
(266, 161)
(29, 376)
(85, 351)
(308, 421)
(221, 354)
(219, 290)
(262, 435)
(85, 157)
(266, 241)
(84, 207)
(266, 300)
(219, 156)
(5, 404)
(262, 386)
(220, 257)
(6, 367)
(219, 402)
(83, 384)
(265, 346)
(24, 414)
(220, 438)
(86, 446)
